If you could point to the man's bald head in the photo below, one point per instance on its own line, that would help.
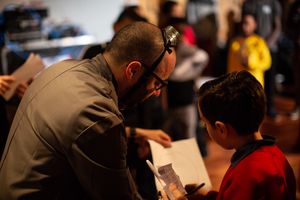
(138, 41)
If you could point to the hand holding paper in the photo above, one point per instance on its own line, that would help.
(166, 176)
(5, 82)
(156, 174)
(186, 161)
(24, 73)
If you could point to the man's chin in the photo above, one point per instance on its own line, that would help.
(130, 103)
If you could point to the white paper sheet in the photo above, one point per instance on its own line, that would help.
(186, 160)
(25, 72)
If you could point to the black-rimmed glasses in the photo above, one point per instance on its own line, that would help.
(170, 36)
(160, 83)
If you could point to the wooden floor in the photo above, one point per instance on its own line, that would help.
(286, 131)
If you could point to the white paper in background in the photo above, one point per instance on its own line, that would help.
(32, 66)
(186, 160)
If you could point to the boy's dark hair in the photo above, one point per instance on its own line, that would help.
(236, 98)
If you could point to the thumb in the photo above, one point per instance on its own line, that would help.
(176, 193)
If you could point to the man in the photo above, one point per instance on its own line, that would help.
(147, 116)
(68, 139)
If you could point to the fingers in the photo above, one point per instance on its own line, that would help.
(22, 87)
(2, 91)
(5, 82)
(190, 187)
(165, 136)
(157, 135)
(166, 143)
(4, 85)
(164, 139)
(8, 79)
(176, 193)
(163, 195)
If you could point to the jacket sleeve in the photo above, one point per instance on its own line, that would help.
(260, 58)
(99, 161)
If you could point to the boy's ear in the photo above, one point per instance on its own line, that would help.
(221, 127)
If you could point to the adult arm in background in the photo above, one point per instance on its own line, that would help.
(99, 161)
(141, 137)
(261, 59)
(191, 61)
(156, 135)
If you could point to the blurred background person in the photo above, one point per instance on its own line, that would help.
(9, 62)
(169, 9)
(5, 82)
(268, 17)
(249, 51)
(182, 120)
(293, 32)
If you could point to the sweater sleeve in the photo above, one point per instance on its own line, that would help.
(259, 56)
(264, 174)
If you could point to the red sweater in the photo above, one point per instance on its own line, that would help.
(259, 172)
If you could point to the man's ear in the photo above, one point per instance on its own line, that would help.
(221, 127)
(133, 69)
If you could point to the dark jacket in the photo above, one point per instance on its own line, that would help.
(67, 140)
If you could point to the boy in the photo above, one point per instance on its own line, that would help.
(249, 51)
(233, 108)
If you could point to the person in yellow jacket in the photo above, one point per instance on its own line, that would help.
(249, 51)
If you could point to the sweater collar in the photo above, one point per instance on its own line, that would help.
(243, 152)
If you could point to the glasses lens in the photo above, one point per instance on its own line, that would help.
(158, 85)
(159, 82)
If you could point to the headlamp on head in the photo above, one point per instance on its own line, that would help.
(171, 37)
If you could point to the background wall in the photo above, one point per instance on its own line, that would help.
(94, 16)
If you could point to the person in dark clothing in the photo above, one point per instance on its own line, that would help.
(293, 32)
(9, 62)
(147, 115)
(5, 82)
(268, 18)
(68, 139)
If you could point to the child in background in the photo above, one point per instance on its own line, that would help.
(249, 51)
(233, 107)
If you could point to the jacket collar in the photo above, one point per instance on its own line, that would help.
(251, 147)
